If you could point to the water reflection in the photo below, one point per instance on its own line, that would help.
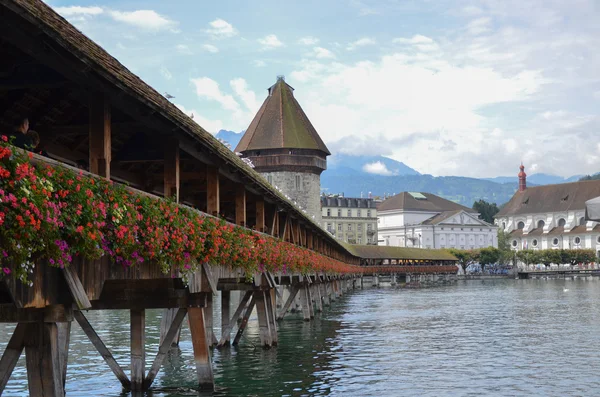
(502, 338)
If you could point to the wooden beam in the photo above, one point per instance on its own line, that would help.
(240, 205)
(44, 371)
(260, 215)
(64, 338)
(11, 355)
(138, 344)
(275, 224)
(293, 233)
(244, 322)
(288, 302)
(102, 349)
(226, 334)
(266, 338)
(76, 288)
(200, 344)
(212, 191)
(100, 135)
(171, 169)
(225, 324)
(164, 347)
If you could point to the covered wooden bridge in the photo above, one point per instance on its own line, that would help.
(92, 113)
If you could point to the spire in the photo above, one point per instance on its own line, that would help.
(281, 124)
(522, 178)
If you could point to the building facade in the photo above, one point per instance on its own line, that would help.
(424, 220)
(286, 149)
(550, 216)
(353, 220)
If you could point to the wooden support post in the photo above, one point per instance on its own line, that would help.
(305, 299)
(208, 320)
(226, 331)
(138, 345)
(275, 224)
(212, 191)
(324, 294)
(240, 205)
(288, 302)
(171, 169)
(272, 314)
(64, 338)
(44, 370)
(317, 295)
(100, 135)
(201, 348)
(310, 302)
(225, 316)
(164, 346)
(244, 322)
(11, 355)
(76, 288)
(102, 349)
(266, 339)
(260, 215)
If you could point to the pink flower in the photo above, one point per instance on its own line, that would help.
(6, 270)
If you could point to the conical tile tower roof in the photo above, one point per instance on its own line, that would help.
(281, 124)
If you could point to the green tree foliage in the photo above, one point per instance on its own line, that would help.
(506, 255)
(590, 177)
(559, 257)
(488, 256)
(486, 210)
(465, 257)
(529, 257)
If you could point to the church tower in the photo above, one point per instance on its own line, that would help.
(286, 149)
(522, 178)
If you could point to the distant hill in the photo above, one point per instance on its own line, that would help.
(462, 190)
(536, 179)
(356, 175)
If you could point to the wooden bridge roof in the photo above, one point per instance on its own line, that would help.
(389, 252)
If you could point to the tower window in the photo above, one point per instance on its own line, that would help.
(298, 182)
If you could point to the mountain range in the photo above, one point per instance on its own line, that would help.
(357, 176)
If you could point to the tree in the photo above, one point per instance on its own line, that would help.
(486, 210)
(488, 256)
(528, 257)
(549, 256)
(505, 254)
(465, 258)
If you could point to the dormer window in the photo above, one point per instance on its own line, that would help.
(562, 222)
(565, 198)
(526, 201)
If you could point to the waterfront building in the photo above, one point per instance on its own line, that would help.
(550, 216)
(353, 220)
(424, 220)
(285, 148)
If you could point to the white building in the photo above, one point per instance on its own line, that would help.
(424, 220)
(550, 216)
(353, 220)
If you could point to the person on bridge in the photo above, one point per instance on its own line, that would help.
(20, 137)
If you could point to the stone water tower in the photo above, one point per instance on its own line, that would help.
(286, 149)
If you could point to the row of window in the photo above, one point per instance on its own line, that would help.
(472, 229)
(359, 227)
(358, 213)
(555, 241)
(561, 222)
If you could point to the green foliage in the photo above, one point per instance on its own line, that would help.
(465, 257)
(594, 177)
(559, 257)
(488, 256)
(486, 210)
(506, 255)
(529, 257)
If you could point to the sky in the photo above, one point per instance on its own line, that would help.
(470, 88)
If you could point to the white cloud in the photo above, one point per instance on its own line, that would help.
(419, 42)
(145, 19)
(308, 40)
(270, 42)
(377, 168)
(219, 28)
(166, 73)
(210, 48)
(323, 53)
(479, 26)
(248, 97)
(78, 11)
(360, 43)
(596, 95)
(183, 49)
(242, 111)
(259, 63)
(211, 126)
(209, 89)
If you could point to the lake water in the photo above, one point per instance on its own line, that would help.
(473, 338)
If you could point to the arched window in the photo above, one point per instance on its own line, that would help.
(577, 240)
(562, 222)
(541, 224)
(555, 242)
(514, 243)
(349, 213)
(503, 225)
(534, 243)
(520, 225)
(581, 221)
